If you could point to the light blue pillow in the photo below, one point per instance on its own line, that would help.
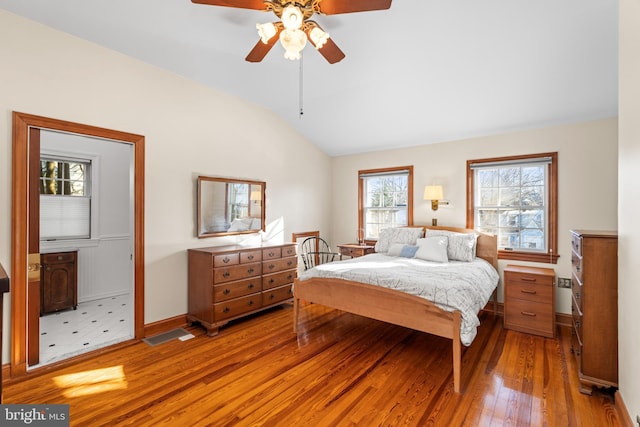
(405, 251)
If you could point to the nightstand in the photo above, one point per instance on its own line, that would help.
(530, 300)
(355, 250)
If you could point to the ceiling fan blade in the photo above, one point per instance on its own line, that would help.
(331, 52)
(260, 50)
(334, 7)
(242, 4)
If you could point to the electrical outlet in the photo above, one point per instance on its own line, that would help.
(564, 282)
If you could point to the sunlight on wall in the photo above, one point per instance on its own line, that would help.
(92, 382)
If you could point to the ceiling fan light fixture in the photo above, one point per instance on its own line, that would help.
(266, 31)
(293, 42)
(318, 37)
(291, 17)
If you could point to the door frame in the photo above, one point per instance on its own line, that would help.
(22, 122)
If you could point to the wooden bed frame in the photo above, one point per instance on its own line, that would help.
(392, 306)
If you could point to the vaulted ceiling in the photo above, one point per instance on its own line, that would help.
(423, 71)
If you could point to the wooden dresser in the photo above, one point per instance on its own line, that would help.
(529, 300)
(228, 282)
(594, 261)
(58, 281)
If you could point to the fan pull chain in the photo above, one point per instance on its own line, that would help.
(300, 90)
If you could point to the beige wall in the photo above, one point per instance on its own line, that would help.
(190, 129)
(587, 165)
(629, 206)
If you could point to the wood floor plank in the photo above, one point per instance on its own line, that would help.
(339, 370)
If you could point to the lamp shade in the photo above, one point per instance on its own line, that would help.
(433, 192)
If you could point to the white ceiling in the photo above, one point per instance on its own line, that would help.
(423, 71)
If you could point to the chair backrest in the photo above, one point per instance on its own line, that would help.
(315, 251)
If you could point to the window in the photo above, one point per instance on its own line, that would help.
(238, 195)
(385, 199)
(515, 198)
(65, 199)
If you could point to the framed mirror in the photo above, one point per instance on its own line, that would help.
(229, 206)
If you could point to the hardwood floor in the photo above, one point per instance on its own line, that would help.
(341, 369)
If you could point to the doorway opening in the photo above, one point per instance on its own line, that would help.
(107, 256)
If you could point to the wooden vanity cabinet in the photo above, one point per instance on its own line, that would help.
(229, 282)
(58, 281)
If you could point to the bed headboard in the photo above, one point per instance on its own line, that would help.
(486, 247)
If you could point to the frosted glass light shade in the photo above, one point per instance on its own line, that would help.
(291, 17)
(266, 31)
(318, 37)
(293, 42)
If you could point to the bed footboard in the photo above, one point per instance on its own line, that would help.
(382, 304)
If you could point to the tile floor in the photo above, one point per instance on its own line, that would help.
(92, 325)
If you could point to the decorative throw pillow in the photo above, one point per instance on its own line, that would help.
(461, 246)
(404, 235)
(433, 249)
(405, 251)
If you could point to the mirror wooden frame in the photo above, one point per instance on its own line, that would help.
(203, 182)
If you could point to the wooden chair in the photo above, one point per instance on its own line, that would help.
(315, 251)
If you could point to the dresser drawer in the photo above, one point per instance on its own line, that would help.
(289, 251)
(531, 316)
(576, 265)
(236, 307)
(236, 272)
(250, 256)
(530, 292)
(271, 253)
(232, 290)
(276, 265)
(275, 295)
(278, 279)
(576, 244)
(576, 291)
(226, 260)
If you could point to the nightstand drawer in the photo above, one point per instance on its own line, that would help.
(529, 278)
(530, 292)
(533, 317)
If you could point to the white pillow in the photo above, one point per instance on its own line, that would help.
(404, 235)
(256, 224)
(238, 225)
(432, 249)
(460, 247)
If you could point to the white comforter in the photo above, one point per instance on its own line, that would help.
(456, 285)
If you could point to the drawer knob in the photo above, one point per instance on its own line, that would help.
(226, 309)
(250, 257)
(528, 313)
(271, 266)
(528, 291)
(271, 281)
(272, 254)
(289, 277)
(251, 285)
(226, 274)
(250, 302)
(290, 263)
(227, 291)
(272, 296)
(250, 270)
(226, 260)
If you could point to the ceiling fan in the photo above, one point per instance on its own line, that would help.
(295, 28)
